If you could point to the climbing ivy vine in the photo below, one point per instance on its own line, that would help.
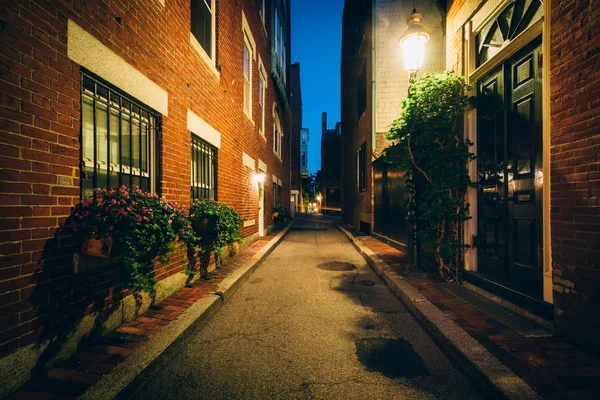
(428, 140)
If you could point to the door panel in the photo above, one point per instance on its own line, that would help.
(510, 172)
(524, 132)
(490, 164)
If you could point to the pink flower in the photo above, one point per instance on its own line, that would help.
(113, 202)
(170, 222)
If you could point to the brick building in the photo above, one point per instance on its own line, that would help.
(373, 82)
(185, 98)
(535, 233)
(331, 164)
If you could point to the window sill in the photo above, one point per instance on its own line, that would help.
(262, 135)
(249, 117)
(209, 61)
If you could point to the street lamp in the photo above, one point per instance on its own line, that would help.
(413, 42)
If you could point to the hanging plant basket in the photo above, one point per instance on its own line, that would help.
(275, 214)
(97, 247)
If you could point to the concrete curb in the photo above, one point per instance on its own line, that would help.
(113, 383)
(487, 371)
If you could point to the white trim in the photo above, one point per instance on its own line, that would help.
(249, 222)
(90, 53)
(511, 48)
(209, 62)
(202, 129)
(546, 198)
(275, 180)
(262, 166)
(162, 2)
(248, 35)
(248, 161)
(279, 182)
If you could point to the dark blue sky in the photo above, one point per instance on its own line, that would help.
(317, 46)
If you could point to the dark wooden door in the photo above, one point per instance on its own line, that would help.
(510, 172)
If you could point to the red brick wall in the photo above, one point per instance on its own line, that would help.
(296, 95)
(355, 133)
(575, 168)
(40, 149)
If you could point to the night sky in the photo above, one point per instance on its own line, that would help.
(316, 45)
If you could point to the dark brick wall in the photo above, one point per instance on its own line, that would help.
(575, 168)
(40, 149)
(355, 131)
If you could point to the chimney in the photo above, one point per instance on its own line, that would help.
(324, 122)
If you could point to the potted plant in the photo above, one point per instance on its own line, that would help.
(281, 213)
(140, 226)
(215, 226)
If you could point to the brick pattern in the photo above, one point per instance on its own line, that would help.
(575, 168)
(40, 148)
(355, 131)
(74, 376)
(550, 365)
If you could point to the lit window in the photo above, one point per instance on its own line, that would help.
(202, 23)
(119, 137)
(203, 170)
(261, 103)
(277, 134)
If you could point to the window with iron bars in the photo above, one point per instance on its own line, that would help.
(204, 170)
(119, 138)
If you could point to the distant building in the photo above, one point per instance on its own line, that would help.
(331, 166)
(296, 106)
(304, 139)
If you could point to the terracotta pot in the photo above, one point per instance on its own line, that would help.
(97, 247)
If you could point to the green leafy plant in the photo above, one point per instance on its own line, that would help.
(284, 213)
(428, 140)
(224, 223)
(141, 223)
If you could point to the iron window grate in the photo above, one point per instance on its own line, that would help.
(118, 139)
(204, 170)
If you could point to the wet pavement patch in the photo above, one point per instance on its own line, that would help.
(336, 266)
(394, 358)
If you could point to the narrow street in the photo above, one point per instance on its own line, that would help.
(313, 321)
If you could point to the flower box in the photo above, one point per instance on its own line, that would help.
(97, 247)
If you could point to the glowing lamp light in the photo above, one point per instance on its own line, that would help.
(259, 178)
(319, 198)
(413, 42)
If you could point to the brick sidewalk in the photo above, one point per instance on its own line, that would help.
(74, 376)
(550, 365)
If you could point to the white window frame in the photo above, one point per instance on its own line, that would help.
(210, 60)
(250, 46)
(262, 77)
(277, 132)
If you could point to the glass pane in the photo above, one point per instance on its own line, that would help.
(87, 132)
(125, 143)
(201, 24)
(101, 139)
(135, 144)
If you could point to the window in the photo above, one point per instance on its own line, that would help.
(204, 170)
(261, 103)
(276, 194)
(361, 167)
(361, 91)
(247, 78)
(303, 159)
(202, 23)
(279, 34)
(118, 139)
(261, 10)
(277, 134)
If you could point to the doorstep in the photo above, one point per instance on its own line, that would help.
(104, 369)
(503, 352)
